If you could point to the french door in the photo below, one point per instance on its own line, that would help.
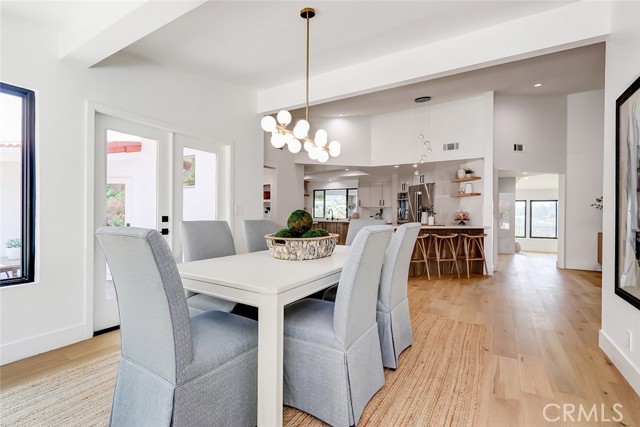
(133, 188)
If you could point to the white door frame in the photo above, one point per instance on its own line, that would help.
(91, 109)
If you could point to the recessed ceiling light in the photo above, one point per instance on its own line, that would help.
(537, 85)
(396, 166)
(346, 169)
(341, 115)
(526, 178)
(524, 173)
(330, 180)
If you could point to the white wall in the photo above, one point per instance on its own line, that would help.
(506, 229)
(53, 312)
(622, 69)
(394, 136)
(585, 134)
(287, 188)
(538, 122)
(536, 245)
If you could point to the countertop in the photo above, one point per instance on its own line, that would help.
(424, 227)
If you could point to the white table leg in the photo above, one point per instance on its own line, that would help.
(270, 354)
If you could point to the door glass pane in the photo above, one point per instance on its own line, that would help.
(131, 185)
(10, 185)
(199, 171)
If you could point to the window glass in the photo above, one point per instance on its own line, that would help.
(544, 219)
(17, 200)
(318, 203)
(339, 203)
(521, 218)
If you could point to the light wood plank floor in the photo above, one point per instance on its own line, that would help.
(541, 343)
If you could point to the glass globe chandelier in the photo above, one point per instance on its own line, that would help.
(317, 148)
(422, 140)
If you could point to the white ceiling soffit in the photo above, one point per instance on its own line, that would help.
(261, 44)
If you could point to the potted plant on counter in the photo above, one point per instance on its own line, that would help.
(14, 248)
(423, 214)
(468, 172)
(431, 215)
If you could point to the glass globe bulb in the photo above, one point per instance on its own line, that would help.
(323, 156)
(308, 145)
(301, 129)
(420, 136)
(284, 117)
(429, 150)
(288, 138)
(321, 137)
(415, 165)
(294, 146)
(313, 153)
(277, 140)
(416, 173)
(334, 148)
(268, 123)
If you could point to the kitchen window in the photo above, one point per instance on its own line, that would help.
(521, 218)
(17, 185)
(338, 203)
(544, 219)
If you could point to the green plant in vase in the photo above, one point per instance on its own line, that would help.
(468, 171)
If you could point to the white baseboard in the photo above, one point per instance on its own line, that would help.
(583, 266)
(16, 350)
(626, 367)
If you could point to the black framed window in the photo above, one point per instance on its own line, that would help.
(521, 218)
(544, 219)
(336, 203)
(17, 185)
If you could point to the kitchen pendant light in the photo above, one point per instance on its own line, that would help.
(318, 148)
(420, 125)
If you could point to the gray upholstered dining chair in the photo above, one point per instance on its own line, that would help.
(332, 360)
(174, 370)
(355, 225)
(202, 240)
(394, 324)
(254, 231)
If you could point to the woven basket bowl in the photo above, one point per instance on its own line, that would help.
(297, 249)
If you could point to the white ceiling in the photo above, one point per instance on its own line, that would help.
(261, 44)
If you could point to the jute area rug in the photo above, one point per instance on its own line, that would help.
(437, 384)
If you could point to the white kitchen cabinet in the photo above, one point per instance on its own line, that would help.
(364, 195)
(375, 194)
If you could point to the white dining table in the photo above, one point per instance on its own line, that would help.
(262, 281)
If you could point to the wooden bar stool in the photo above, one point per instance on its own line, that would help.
(473, 243)
(423, 242)
(442, 245)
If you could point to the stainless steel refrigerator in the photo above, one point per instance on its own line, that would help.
(420, 194)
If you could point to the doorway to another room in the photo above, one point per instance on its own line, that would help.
(529, 222)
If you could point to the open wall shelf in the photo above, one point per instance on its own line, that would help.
(466, 194)
(466, 179)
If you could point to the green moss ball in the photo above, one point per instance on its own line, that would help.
(315, 233)
(285, 232)
(299, 222)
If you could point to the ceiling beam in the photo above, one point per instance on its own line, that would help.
(117, 26)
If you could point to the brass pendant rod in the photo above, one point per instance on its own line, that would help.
(307, 107)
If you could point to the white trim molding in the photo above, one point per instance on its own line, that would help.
(16, 350)
(626, 367)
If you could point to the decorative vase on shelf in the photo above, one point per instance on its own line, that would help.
(424, 218)
(431, 220)
(461, 173)
(468, 188)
